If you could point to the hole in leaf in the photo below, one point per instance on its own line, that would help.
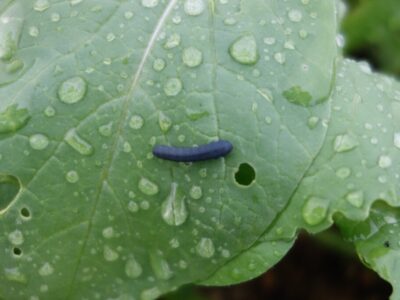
(17, 251)
(245, 174)
(9, 188)
(25, 213)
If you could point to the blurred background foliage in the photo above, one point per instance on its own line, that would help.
(372, 31)
(324, 266)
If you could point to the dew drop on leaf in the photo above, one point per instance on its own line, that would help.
(110, 254)
(16, 237)
(315, 210)
(14, 66)
(149, 3)
(38, 141)
(159, 64)
(194, 7)
(174, 40)
(295, 15)
(148, 187)
(72, 90)
(106, 130)
(396, 140)
(78, 143)
(343, 173)
(136, 122)
(133, 207)
(192, 57)
(355, 198)
(164, 122)
(49, 111)
(160, 267)
(244, 50)
(298, 96)
(384, 161)
(196, 192)
(173, 209)
(173, 87)
(132, 268)
(150, 294)
(205, 248)
(72, 176)
(46, 270)
(344, 142)
(41, 5)
(14, 274)
(13, 119)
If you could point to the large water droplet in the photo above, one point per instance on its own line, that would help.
(149, 3)
(298, 96)
(315, 210)
(132, 268)
(205, 248)
(355, 198)
(150, 294)
(194, 7)
(77, 143)
(384, 161)
(13, 119)
(345, 143)
(160, 267)
(41, 5)
(196, 192)
(38, 141)
(192, 57)
(72, 90)
(11, 22)
(244, 50)
(173, 209)
(148, 187)
(173, 87)
(16, 237)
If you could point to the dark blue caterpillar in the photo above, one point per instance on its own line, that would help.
(212, 150)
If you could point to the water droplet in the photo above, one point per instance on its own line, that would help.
(55, 17)
(164, 122)
(280, 57)
(159, 64)
(344, 143)
(396, 140)
(14, 274)
(356, 198)
(196, 192)
(16, 237)
(173, 87)
(244, 50)
(312, 122)
(128, 15)
(77, 143)
(72, 90)
(269, 40)
(33, 31)
(38, 141)
(194, 7)
(13, 119)
(160, 267)
(150, 294)
(49, 111)
(174, 40)
(41, 5)
(110, 37)
(315, 210)
(108, 233)
(384, 161)
(72, 176)
(192, 57)
(295, 15)
(46, 270)
(298, 96)
(136, 122)
(205, 248)
(343, 173)
(148, 187)
(149, 3)
(132, 268)
(106, 130)
(110, 254)
(126, 147)
(173, 209)
(133, 207)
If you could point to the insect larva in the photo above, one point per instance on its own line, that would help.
(212, 150)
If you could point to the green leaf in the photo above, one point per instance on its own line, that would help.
(104, 81)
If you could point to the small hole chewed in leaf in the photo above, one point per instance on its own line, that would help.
(17, 251)
(25, 213)
(9, 188)
(245, 174)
